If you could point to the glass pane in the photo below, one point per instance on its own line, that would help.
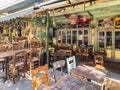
(109, 39)
(74, 37)
(63, 37)
(86, 37)
(80, 38)
(117, 40)
(101, 39)
(69, 37)
(59, 37)
(101, 44)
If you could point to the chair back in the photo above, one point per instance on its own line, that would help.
(56, 65)
(37, 81)
(16, 46)
(35, 57)
(71, 63)
(85, 52)
(52, 50)
(35, 52)
(98, 59)
(19, 57)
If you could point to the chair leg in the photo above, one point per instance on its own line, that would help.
(3, 66)
(30, 67)
(13, 75)
(24, 71)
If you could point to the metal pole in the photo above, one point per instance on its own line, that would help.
(47, 29)
(10, 33)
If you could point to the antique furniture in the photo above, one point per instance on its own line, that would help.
(17, 64)
(2, 60)
(42, 78)
(91, 73)
(56, 65)
(8, 54)
(85, 53)
(98, 59)
(71, 63)
(35, 56)
(71, 83)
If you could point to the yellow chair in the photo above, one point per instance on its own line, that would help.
(38, 81)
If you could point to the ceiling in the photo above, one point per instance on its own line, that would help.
(10, 6)
(99, 8)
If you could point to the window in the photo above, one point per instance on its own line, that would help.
(69, 37)
(80, 37)
(109, 39)
(117, 40)
(101, 39)
(74, 37)
(86, 37)
(63, 37)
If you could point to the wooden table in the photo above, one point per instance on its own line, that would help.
(58, 55)
(70, 83)
(90, 73)
(8, 54)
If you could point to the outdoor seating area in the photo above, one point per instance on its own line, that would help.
(59, 45)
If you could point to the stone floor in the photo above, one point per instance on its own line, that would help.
(113, 69)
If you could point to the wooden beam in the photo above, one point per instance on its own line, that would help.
(108, 14)
(92, 7)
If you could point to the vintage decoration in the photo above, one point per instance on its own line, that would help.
(117, 21)
(107, 24)
(73, 19)
(79, 19)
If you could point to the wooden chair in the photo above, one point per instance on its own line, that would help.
(56, 65)
(79, 52)
(102, 52)
(35, 56)
(85, 53)
(42, 78)
(15, 46)
(71, 63)
(2, 60)
(98, 59)
(17, 64)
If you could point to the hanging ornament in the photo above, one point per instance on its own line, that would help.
(73, 19)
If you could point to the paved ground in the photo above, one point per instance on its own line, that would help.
(25, 83)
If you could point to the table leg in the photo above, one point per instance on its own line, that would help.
(6, 66)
